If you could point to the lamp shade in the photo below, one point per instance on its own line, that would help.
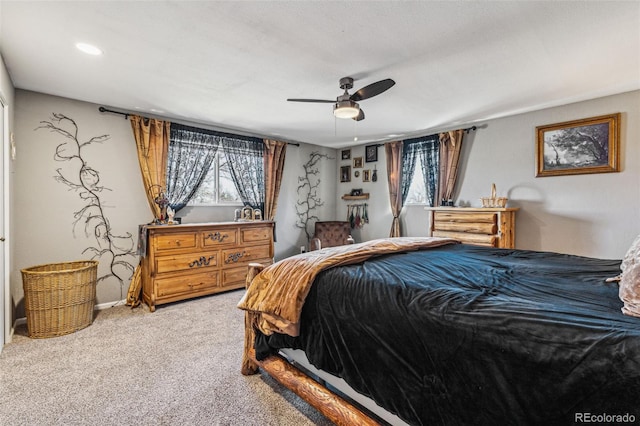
(346, 109)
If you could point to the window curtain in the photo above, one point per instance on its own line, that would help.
(393, 151)
(450, 147)
(426, 148)
(152, 143)
(191, 152)
(245, 158)
(274, 156)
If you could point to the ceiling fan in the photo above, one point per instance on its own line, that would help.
(346, 105)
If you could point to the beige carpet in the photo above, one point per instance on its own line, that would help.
(176, 366)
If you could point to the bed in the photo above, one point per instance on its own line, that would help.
(436, 332)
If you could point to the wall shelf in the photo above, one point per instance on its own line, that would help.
(356, 197)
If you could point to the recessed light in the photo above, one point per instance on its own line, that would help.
(89, 49)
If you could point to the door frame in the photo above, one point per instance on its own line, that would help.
(5, 299)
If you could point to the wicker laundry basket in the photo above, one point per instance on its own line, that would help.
(59, 297)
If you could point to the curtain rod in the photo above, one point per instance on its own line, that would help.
(126, 116)
(467, 130)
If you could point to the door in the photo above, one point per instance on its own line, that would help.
(4, 292)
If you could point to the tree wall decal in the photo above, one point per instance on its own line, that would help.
(110, 248)
(308, 198)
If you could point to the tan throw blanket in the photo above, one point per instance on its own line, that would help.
(276, 295)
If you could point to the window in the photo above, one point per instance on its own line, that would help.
(420, 158)
(217, 187)
(417, 191)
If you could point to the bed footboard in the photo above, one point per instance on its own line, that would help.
(332, 406)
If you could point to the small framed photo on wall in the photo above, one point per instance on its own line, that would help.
(345, 174)
(346, 154)
(371, 153)
(357, 163)
(366, 175)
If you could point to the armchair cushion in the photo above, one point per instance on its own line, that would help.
(333, 233)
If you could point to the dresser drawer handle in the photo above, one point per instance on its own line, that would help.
(203, 261)
(216, 236)
(195, 285)
(234, 257)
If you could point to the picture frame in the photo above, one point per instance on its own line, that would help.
(346, 154)
(366, 175)
(345, 174)
(357, 162)
(590, 145)
(371, 153)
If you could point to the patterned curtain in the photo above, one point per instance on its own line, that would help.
(275, 153)
(430, 156)
(393, 151)
(450, 146)
(191, 152)
(245, 158)
(426, 148)
(410, 150)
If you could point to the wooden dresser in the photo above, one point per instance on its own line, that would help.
(191, 260)
(493, 227)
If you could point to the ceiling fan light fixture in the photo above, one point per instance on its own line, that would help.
(346, 109)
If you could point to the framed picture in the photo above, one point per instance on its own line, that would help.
(357, 163)
(371, 153)
(346, 154)
(366, 175)
(345, 174)
(590, 145)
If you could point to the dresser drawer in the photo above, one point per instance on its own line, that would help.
(233, 277)
(187, 283)
(473, 223)
(190, 261)
(472, 228)
(482, 217)
(245, 254)
(219, 237)
(256, 234)
(175, 241)
(475, 239)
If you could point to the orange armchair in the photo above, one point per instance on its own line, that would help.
(331, 234)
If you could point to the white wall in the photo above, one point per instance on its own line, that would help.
(378, 209)
(594, 215)
(44, 229)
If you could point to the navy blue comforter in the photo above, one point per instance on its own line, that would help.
(469, 335)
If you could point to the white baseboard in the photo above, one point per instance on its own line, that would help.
(99, 307)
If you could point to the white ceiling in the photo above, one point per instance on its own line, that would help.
(232, 65)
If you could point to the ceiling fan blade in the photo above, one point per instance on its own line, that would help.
(373, 89)
(324, 101)
(360, 116)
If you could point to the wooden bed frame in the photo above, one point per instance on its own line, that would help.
(332, 406)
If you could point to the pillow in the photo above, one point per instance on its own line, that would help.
(633, 255)
(629, 291)
(630, 258)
